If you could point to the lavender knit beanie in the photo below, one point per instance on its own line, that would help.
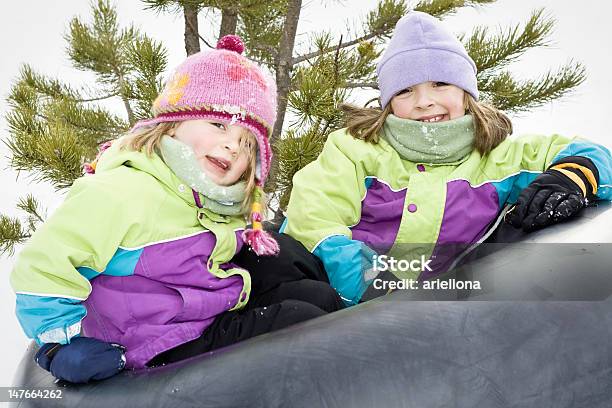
(422, 50)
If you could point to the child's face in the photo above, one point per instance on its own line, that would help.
(217, 147)
(430, 102)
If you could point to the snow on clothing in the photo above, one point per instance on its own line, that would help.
(358, 199)
(131, 259)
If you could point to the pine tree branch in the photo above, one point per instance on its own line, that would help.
(88, 127)
(336, 60)
(56, 158)
(509, 94)
(100, 46)
(350, 85)
(333, 89)
(437, 8)
(315, 54)
(147, 60)
(294, 152)
(172, 6)
(30, 205)
(261, 27)
(11, 234)
(494, 52)
(380, 23)
(265, 48)
(49, 87)
(442, 8)
(53, 88)
(99, 98)
(377, 99)
(54, 127)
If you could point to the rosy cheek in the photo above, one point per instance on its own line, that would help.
(199, 149)
(456, 110)
(399, 110)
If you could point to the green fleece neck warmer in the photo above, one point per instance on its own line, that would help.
(181, 159)
(433, 143)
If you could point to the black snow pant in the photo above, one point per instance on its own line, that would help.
(293, 263)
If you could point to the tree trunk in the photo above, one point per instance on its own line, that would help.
(285, 63)
(126, 102)
(192, 38)
(229, 21)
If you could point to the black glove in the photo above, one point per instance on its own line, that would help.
(557, 194)
(82, 360)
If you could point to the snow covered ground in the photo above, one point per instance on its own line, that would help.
(32, 32)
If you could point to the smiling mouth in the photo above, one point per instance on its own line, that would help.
(430, 119)
(221, 164)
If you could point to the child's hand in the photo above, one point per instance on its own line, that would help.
(550, 198)
(82, 360)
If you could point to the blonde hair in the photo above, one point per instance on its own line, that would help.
(491, 125)
(148, 139)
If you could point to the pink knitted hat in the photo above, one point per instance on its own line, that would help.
(221, 84)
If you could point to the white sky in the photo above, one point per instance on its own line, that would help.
(32, 32)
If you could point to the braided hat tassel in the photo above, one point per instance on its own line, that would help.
(259, 240)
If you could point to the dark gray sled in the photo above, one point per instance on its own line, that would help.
(537, 334)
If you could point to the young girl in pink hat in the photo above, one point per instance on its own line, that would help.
(136, 268)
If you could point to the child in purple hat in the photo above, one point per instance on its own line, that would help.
(138, 266)
(431, 171)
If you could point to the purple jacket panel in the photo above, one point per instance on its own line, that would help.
(468, 211)
(381, 215)
(171, 299)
